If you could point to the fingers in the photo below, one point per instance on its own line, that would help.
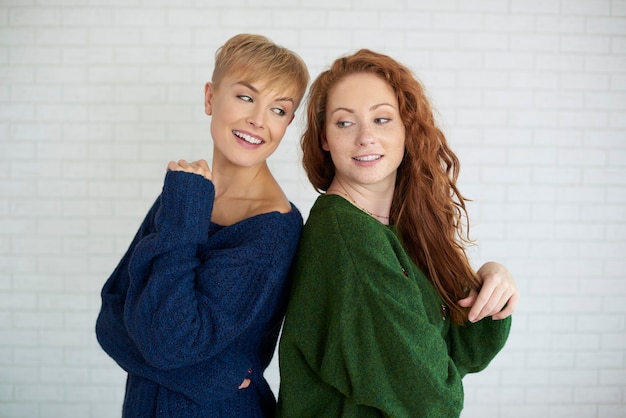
(485, 302)
(203, 165)
(245, 383)
(469, 301)
(497, 297)
(180, 165)
(508, 309)
(200, 167)
(173, 166)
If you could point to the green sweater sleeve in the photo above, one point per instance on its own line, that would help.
(473, 346)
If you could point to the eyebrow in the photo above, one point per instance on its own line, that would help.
(376, 106)
(255, 90)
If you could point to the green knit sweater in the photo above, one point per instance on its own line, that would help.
(366, 334)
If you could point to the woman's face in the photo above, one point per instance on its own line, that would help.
(248, 121)
(364, 132)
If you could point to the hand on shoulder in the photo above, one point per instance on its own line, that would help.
(200, 167)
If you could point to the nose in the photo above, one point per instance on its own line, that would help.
(255, 118)
(364, 136)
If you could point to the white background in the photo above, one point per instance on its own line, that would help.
(96, 96)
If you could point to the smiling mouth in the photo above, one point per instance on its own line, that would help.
(368, 158)
(249, 139)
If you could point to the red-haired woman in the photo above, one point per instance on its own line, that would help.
(386, 313)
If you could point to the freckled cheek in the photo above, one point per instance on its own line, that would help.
(338, 137)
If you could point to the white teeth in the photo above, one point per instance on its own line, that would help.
(368, 158)
(248, 138)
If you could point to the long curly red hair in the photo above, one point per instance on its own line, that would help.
(427, 209)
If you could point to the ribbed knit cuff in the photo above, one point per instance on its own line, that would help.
(186, 207)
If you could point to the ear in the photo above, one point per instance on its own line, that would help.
(208, 98)
(324, 142)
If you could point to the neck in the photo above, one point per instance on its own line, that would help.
(237, 181)
(375, 204)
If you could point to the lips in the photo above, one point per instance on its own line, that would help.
(248, 138)
(368, 158)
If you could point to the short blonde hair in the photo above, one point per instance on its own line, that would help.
(256, 58)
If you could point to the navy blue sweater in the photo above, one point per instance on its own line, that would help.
(193, 307)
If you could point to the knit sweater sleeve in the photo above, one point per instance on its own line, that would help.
(182, 314)
(473, 346)
(114, 334)
(183, 307)
(378, 348)
(162, 308)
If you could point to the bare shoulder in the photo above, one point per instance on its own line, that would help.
(230, 210)
(274, 201)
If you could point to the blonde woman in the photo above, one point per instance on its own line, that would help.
(193, 310)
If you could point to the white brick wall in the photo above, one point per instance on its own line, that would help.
(96, 96)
